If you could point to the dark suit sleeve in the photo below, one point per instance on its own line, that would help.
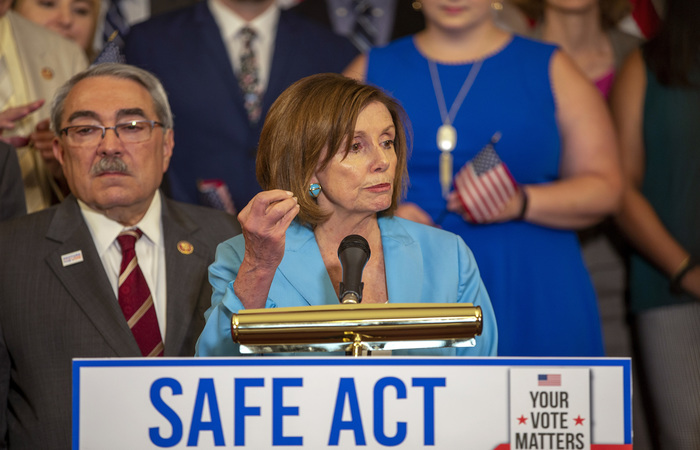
(4, 388)
(11, 185)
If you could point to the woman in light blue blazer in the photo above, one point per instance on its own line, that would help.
(332, 160)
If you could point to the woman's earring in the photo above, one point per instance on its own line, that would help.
(417, 5)
(314, 190)
(497, 5)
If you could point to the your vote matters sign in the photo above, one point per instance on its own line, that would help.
(371, 402)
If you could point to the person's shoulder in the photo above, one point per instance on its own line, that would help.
(397, 45)
(317, 47)
(26, 226)
(295, 18)
(311, 31)
(530, 43)
(400, 52)
(52, 42)
(419, 231)
(171, 20)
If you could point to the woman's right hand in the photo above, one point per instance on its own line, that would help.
(264, 222)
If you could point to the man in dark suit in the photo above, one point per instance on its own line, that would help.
(67, 279)
(196, 52)
(11, 187)
(388, 19)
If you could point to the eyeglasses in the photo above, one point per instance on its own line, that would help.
(128, 132)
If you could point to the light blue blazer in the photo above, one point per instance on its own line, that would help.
(422, 263)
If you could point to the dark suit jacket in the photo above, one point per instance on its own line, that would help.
(406, 19)
(12, 202)
(214, 138)
(50, 314)
(163, 6)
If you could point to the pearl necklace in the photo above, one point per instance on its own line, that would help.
(446, 133)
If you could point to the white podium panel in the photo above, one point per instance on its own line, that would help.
(343, 402)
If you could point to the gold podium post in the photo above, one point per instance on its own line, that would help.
(353, 328)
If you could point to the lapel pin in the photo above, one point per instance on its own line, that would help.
(185, 247)
(47, 73)
(72, 258)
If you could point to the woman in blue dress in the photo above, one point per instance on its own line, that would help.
(477, 83)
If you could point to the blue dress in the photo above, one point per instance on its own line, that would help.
(539, 287)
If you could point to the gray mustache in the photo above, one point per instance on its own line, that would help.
(109, 164)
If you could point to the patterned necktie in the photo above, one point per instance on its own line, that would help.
(115, 25)
(135, 298)
(364, 32)
(248, 77)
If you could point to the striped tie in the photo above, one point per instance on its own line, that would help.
(115, 25)
(135, 298)
(364, 32)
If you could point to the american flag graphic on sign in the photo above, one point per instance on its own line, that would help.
(485, 185)
(549, 380)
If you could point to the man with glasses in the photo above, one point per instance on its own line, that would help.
(115, 270)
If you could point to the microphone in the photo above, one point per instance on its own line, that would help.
(353, 253)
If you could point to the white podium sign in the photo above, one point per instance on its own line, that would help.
(343, 402)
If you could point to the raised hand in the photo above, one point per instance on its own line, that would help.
(264, 221)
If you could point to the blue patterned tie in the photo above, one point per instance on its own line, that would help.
(115, 26)
(248, 77)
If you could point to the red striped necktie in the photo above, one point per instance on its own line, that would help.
(135, 298)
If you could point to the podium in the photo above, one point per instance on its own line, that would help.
(267, 402)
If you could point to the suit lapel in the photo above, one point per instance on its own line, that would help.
(211, 52)
(283, 56)
(403, 262)
(86, 281)
(185, 275)
(304, 269)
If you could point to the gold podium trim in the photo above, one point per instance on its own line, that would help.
(354, 327)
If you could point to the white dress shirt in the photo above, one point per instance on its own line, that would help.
(265, 26)
(150, 251)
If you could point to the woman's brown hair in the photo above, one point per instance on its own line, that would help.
(316, 113)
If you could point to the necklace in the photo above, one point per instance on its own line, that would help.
(446, 133)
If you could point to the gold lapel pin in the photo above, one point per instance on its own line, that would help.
(47, 73)
(185, 247)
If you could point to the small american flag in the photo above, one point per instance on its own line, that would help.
(548, 380)
(215, 194)
(485, 185)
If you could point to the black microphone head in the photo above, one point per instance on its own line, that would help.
(355, 241)
(353, 253)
